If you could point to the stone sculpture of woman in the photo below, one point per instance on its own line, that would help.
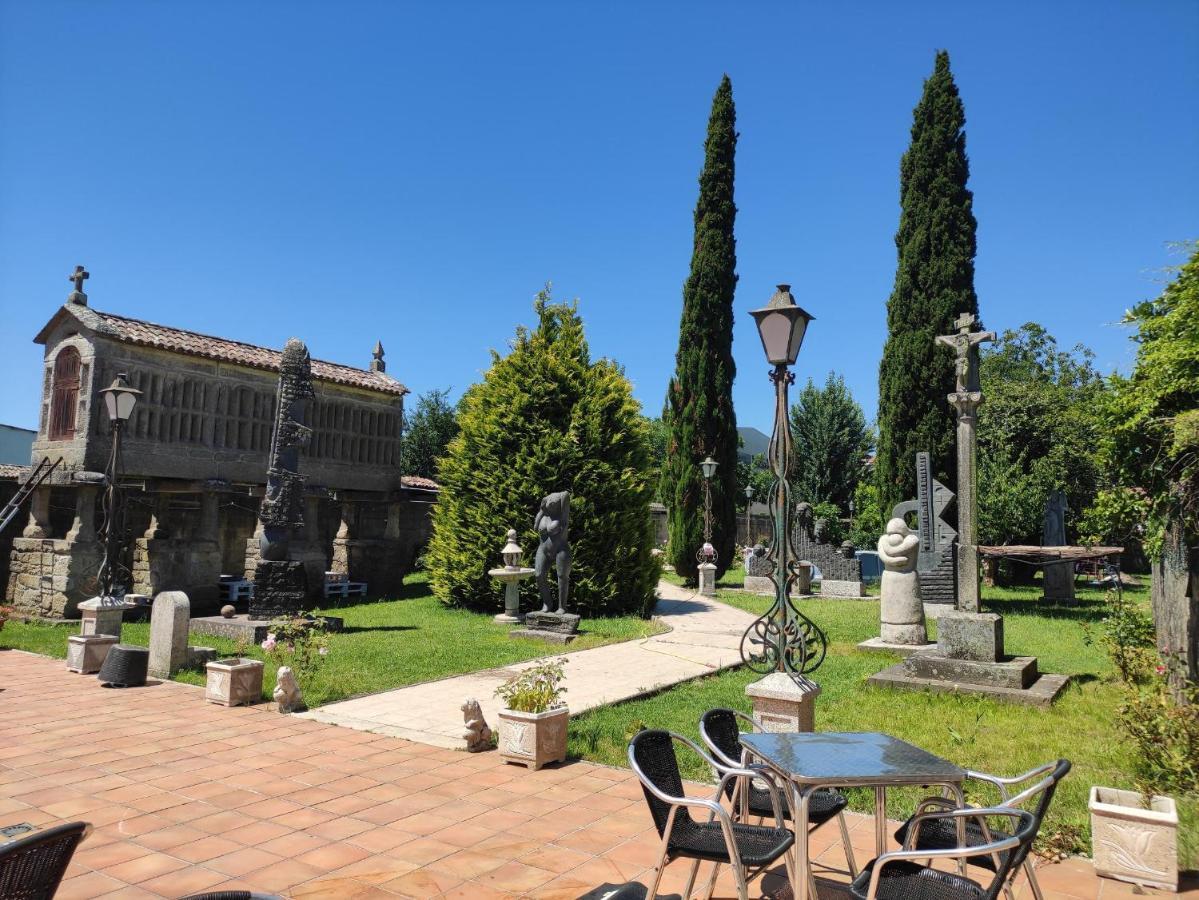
(553, 528)
(902, 609)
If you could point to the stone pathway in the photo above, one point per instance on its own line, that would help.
(704, 637)
(186, 796)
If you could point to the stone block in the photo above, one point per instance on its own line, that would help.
(1058, 582)
(707, 579)
(563, 623)
(102, 616)
(834, 588)
(759, 584)
(168, 633)
(86, 652)
(553, 637)
(782, 703)
(1041, 692)
(967, 635)
(1018, 672)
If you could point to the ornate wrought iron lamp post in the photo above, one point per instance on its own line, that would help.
(783, 639)
(706, 557)
(119, 400)
(749, 502)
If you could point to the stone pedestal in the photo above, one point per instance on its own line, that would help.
(902, 612)
(1058, 582)
(102, 616)
(976, 636)
(168, 633)
(39, 515)
(707, 579)
(86, 652)
(560, 628)
(782, 703)
(280, 589)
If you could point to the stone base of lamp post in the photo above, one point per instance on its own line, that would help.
(784, 704)
(707, 579)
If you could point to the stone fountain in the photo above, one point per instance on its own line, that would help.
(511, 574)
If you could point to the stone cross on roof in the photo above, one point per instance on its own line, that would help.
(965, 344)
(377, 363)
(78, 277)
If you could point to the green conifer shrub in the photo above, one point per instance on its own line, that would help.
(547, 418)
(699, 401)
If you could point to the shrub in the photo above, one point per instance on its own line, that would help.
(546, 418)
(535, 690)
(298, 642)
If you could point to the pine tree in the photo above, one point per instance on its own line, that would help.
(699, 401)
(429, 430)
(546, 418)
(934, 283)
(830, 441)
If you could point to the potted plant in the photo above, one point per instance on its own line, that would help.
(534, 718)
(1134, 840)
(234, 681)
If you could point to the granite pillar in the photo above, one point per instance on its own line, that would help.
(39, 515)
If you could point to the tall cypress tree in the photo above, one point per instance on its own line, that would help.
(934, 282)
(699, 401)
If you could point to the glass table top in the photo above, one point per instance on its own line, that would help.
(846, 757)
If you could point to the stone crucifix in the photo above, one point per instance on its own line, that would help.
(966, 399)
(79, 276)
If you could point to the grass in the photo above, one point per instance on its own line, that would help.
(386, 644)
(976, 732)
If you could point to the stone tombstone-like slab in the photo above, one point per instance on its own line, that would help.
(169, 618)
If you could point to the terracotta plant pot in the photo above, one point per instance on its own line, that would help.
(1134, 843)
(533, 739)
(232, 682)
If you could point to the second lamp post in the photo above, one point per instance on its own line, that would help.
(707, 553)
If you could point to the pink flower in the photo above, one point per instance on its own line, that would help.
(324, 651)
(269, 644)
(1160, 670)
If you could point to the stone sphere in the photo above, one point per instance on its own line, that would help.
(227, 611)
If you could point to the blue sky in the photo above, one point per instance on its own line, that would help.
(346, 172)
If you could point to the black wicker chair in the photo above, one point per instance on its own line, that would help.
(899, 876)
(32, 867)
(747, 849)
(939, 834)
(720, 730)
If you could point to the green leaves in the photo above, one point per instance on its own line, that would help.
(831, 442)
(699, 400)
(546, 418)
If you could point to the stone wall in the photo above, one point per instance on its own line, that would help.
(50, 577)
(8, 488)
(179, 564)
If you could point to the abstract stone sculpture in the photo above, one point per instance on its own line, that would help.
(938, 575)
(279, 582)
(553, 526)
(287, 691)
(902, 611)
(478, 732)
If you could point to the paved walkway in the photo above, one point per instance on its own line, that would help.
(704, 637)
(186, 796)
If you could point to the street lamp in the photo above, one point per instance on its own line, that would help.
(783, 639)
(749, 502)
(119, 400)
(708, 553)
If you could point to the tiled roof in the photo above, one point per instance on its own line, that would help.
(13, 473)
(148, 334)
(416, 481)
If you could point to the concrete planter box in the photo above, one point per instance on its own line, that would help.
(1132, 843)
(232, 682)
(533, 739)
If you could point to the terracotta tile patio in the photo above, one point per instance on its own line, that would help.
(186, 796)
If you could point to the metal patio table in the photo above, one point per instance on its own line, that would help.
(835, 759)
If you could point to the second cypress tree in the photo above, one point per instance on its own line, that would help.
(699, 401)
(934, 282)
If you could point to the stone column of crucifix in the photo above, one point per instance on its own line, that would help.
(966, 397)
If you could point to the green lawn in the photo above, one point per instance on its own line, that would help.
(979, 733)
(384, 645)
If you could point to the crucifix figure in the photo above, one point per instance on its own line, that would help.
(79, 277)
(965, 346)
(966, 399)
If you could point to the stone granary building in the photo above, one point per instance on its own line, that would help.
(194, 465)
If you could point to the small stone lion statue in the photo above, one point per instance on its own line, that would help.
(478, 732)
(287, 691)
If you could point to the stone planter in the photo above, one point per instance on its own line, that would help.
(232, 682)
(1134, 843)
(533, 739)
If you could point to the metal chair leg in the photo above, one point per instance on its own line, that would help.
(845, 842)
(658, 870)
(711, 882)
(742, 886)
(691, 879)
(1032, 879)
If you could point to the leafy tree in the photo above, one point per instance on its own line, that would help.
(547, 418)
(868, 517)
(1151, 424)
(430, 429)
(699, 400)
(755, 474)
(934, 283)
(659, 437)
(1037, 433)
(830, 441)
